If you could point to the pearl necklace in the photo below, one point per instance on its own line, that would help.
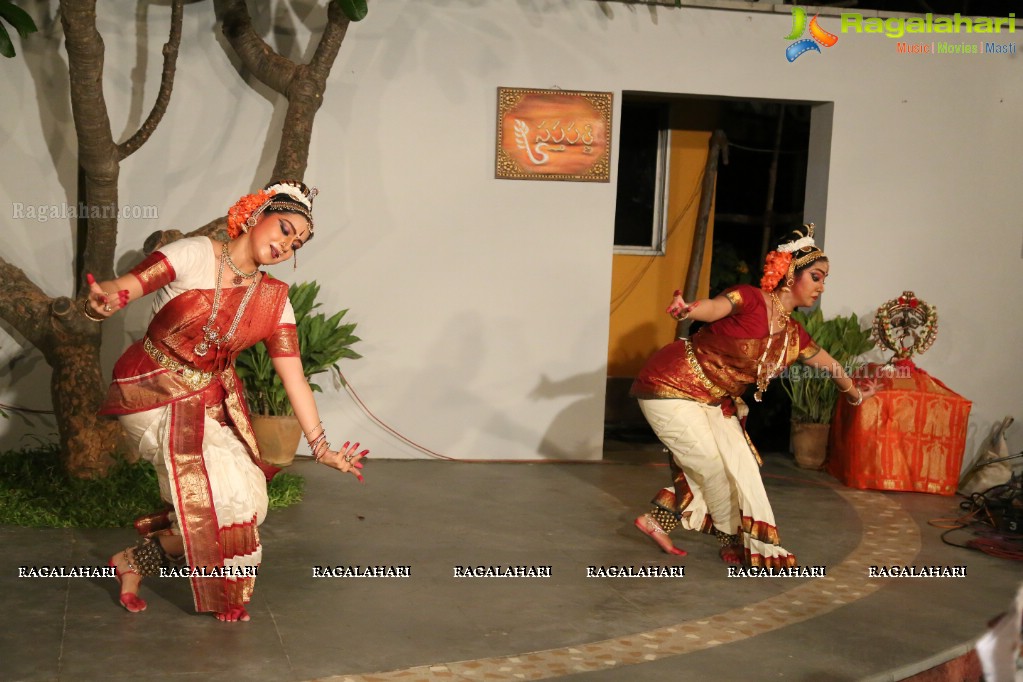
(764, 377)
(211, 335)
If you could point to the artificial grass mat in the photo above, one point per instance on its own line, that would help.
(36, 491)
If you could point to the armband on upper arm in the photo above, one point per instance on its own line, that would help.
(808, 351)
(154, 272)
(735, 298)
(283, 342)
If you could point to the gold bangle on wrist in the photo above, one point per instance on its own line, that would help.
(89, 315)
(318, 428)
(859, 398)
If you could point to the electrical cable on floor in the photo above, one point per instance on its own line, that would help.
(436, 455)
(989, 517)
(379, 422)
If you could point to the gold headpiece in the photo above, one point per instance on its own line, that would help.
(803, 249)
(290, 195)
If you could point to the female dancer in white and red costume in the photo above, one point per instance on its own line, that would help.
(690, 392)
(178, 397)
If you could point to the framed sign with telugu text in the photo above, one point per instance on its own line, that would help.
(553, 135)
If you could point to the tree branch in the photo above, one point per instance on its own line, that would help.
(215, 229)
(257, 56)
(23, 304)
(97, 153)
(170, 58)
(330, 42)
(305, 95)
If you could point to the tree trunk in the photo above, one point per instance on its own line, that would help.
(88, 441)
(69, 342)
(70, 345)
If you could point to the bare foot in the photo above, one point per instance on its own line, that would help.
(233, 614)
(733, 555)
(649, 527)
(129, 581)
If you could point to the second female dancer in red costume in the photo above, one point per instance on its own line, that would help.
(178, 396)
(689, 392)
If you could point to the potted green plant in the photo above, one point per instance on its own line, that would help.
(323, 342)
(814, 395)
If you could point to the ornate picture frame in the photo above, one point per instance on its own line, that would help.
(553, 135)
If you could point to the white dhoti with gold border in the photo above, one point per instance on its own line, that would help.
(219, 497)
(717, 481)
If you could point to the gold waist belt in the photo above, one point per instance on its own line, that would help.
(712, 388)
(195, 379)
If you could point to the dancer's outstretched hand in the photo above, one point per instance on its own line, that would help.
(100, 302)
(679, 309)
(868, 387)
(346, 460)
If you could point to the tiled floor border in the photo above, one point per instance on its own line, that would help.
(890, 537)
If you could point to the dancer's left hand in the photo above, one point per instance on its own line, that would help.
(868, 387)
(347, 460)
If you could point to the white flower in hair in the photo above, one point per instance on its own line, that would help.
(293, 192)
(797, 245)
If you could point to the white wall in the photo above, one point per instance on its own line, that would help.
(483, 303)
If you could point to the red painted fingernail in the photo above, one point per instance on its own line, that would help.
(364, 453)
(89, 278)
(343, 447)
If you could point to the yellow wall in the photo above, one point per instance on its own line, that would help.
(641, 286)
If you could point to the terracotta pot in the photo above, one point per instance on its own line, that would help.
(277, 437)
(810, 444)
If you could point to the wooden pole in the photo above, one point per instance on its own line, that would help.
(718, 145)
(772, 183)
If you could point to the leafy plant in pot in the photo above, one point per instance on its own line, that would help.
(813, 394)
(323, 342)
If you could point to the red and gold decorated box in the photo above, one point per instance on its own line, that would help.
(911, 435)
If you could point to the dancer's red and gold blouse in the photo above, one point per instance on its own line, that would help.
(718, 363)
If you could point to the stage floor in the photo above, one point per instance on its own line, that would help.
(441, 518)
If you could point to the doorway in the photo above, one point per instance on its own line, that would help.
(775, 178)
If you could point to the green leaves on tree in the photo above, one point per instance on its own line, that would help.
(20, 21)
(355, 10)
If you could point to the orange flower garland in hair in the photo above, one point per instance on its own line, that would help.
(242, 209)
(775, 267)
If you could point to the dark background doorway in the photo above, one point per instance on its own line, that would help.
(759, 196)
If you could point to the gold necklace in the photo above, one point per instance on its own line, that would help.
(764, 377)
(211, 335)
(238, 274)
